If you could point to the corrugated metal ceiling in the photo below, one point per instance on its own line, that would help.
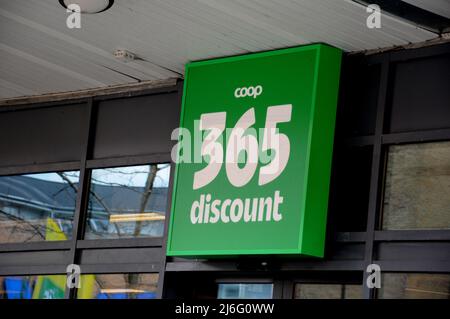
(39, 54)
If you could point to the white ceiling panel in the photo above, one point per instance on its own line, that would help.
(39, 54)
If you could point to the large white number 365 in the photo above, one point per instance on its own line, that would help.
(277, 142)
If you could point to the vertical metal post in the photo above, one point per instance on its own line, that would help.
(83, 192)
(376, 172)
(162, 272)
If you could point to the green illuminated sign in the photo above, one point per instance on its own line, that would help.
(254, 156)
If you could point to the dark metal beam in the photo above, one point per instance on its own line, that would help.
(162, 273)
(119, 243)
(36, 246)
(376, 170)
(39, 168)
(129, 160)
(82, 194)
(416, 137)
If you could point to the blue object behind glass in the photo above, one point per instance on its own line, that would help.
(245, 291)
(17, 288)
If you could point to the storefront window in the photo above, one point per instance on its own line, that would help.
(417, 192)
(37, 207)
(33, 287)
(328, 291)
(118, 286)
(414, 286)
(245, 291)
(128, 202)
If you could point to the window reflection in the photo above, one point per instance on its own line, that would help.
(245, 291)
(128, 202)
(328, 291)
(417, 191)
(37, 207)
(33, 287)
(414, 286)
(118, 286)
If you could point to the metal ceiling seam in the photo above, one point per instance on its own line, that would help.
(335, 11)
(392, 23)
(55, 34)
(279, 32)
(277, 19)
(89, 19)
(153, 71)
(16, 87)
(40, 81)
(401, 22)
(129, 37)
(236, 25)
(359, 32)
(197, 32)
(64, 37)
(9, 70)
(223, 29)
(25, 40)
(50, 65)
(168, 50)
(340, 41)
(155, 65)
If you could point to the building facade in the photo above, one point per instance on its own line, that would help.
(88, 181)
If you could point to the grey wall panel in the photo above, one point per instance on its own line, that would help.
(136, 126)
(421, 96)
(121, 256)
(34, 258)
(37, 136)
(416, 251)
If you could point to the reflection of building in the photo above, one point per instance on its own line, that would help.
(92, 287)
(27, 202)
(115, 209)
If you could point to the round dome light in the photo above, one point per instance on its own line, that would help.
(89, 6)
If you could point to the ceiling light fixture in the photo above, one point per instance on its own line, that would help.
(89, 6)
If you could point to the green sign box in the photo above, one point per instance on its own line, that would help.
(267, 126)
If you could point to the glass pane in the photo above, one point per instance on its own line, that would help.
(33, 287)
(414, 286)
(245, 291)
(327, 291)
(417, 191)
(128, 202)
(118, 286)
(37, 207)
